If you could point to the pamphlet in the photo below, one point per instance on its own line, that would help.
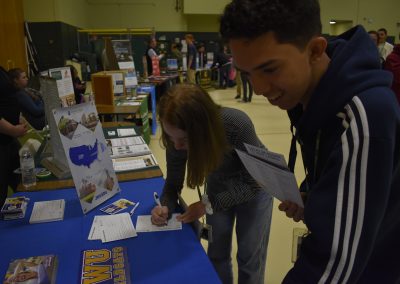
(47, 211)
(117, 206)
(32, 270)
(14, 208)
(134, 163)
(108, 228)
(126, 141)
(105, 265)
(130, 150)
(64, 85)
(270, 171)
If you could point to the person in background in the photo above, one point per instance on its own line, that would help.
(201, 137)
(176, 53)
(222, 60)
(384, 47)
(374, 36)
(201, 51)
(11, 127)
(246, 87)
(191, 59)
(79, 86)
(30, 100)
(151, 53)
(347, 122)
(202, 55)
(392, 64)
(239, 85)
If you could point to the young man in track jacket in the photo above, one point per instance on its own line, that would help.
(348, 126)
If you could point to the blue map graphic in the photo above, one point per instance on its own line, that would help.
(83, 155)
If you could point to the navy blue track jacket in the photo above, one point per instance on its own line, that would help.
(350, 140)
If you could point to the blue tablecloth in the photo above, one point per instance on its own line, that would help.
(158, 257)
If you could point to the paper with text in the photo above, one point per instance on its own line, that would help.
(110, 228)
(115, 142)
(47, 211)
(126, 132)
(278, 182)
(134, 163)
(143, 224)
(265, 155)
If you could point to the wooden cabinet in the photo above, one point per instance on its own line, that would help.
(12, 47)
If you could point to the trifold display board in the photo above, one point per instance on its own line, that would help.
(86, 151)
(57, 162)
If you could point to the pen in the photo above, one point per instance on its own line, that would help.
(157, 199)
(134, 208)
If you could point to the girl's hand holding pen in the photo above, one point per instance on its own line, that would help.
(159, 215)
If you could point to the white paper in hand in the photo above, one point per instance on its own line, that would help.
(278, 182)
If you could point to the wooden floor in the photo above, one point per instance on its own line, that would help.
(272, 127)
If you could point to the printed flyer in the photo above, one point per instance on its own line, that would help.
(87, 154)
(64, 85)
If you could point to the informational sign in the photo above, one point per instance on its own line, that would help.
(118, 83)
(65, 85)
(87, 154)
(123, 53)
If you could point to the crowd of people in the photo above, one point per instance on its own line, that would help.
(196, 59)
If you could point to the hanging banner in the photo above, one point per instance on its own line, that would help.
(87, 154)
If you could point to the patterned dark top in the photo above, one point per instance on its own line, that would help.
(230, 184)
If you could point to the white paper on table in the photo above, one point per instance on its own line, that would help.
(131, 150)
(126, 132)
(127, 141)
(278, 182)
(143, 224)
(130, 104)
(47, 211)
(133, 163)
(110, 228)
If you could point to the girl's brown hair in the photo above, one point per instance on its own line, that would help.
(191, 109)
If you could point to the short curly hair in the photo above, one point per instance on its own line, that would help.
(291, 21)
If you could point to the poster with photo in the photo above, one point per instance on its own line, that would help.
(123, 53)
(64, 85)
(87, 154)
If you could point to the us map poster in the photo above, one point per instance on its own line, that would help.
(88, 158)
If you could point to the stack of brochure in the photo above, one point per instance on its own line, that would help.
(130, 153)
(14, 208)
(47, 211)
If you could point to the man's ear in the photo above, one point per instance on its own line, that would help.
(316, 48)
